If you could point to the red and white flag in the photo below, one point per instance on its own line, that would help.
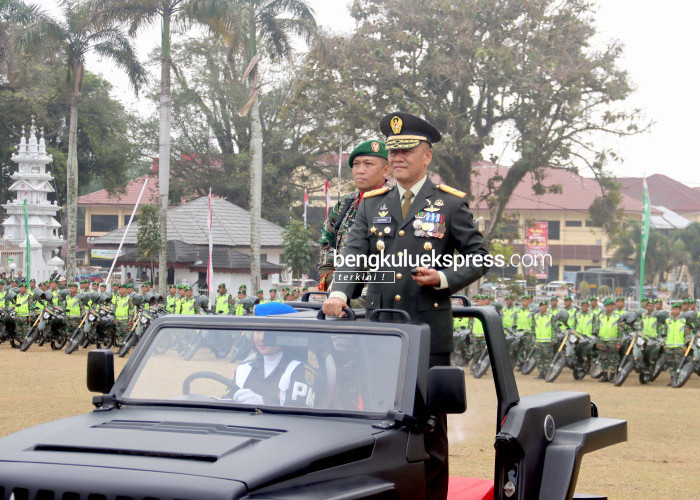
(210, 264)
(306, 204)
(328, 196)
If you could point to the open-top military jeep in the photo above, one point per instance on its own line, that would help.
(347, 420)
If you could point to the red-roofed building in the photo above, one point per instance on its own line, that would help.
(665, 192)
(105, 213)
(574, 242)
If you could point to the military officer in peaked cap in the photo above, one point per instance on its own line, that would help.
(422, 219)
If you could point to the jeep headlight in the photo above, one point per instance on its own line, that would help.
(573, 339)
(91, 317)
(46, 315)
(697, 342)
(144, 320)
(640, 341)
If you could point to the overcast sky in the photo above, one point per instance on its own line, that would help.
(660, 52)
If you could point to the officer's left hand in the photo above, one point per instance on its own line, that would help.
(427, 277)
(247, 397)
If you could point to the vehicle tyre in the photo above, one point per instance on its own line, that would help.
(472, 364)
(644, 377)
(659, 366)
(555, 368)
(623, 371)
(60, 342)
(482, 364)
(530, 362)
(29, 339)
(193, 348)
(128, 344)
(683, 374)
(14, 342)
(596, 369)
(75, 341)
(582, 368)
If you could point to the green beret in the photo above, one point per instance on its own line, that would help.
(594, 298)
(510, 297)
(222, 285)
(608, 302)
(568, 297)
(188, 288)
(242, 287)
(524, 297)
(620, 299)
(305, 288)
(554, 298)
(32, 280)
(584, 302)
(259, 291)
(73, 284)
(369, 148)
(272, 290)
(543, 303)
(675, 304)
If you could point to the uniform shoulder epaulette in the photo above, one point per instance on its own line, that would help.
(376, 192)
(451, 190)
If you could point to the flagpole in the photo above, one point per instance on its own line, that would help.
(340, 163)
(126, 231)
(210, 264)
(29, 248)
(646, 221)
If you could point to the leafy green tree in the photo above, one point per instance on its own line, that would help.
(474, 69)
(298, 248)
(107, 151)
(70, 38)
(148, 236)
(140, 13)
(627, 249)
(261, 28)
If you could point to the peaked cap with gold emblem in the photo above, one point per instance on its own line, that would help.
(406, 131)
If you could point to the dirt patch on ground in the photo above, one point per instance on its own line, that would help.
(657, 461)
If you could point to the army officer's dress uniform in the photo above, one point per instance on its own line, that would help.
(437, 222)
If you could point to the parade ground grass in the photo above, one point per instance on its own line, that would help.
(659, 460)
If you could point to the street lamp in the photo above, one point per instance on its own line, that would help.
(12, 267)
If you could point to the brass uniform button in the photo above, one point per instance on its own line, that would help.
(402, 232)
(399, 276)
(397, 298)
(435, 304)
(428, 245)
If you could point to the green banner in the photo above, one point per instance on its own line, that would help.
(26, 232)
(646, 222)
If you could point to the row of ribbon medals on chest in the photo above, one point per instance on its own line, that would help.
(425, 225)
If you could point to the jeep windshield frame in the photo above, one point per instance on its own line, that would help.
(412, 342)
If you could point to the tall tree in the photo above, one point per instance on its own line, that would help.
(147, 238)
(476, 70)
(139, 13)
(298, 247)
(262, 27)
(71, 37)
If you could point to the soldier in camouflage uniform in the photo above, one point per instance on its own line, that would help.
(370, 169)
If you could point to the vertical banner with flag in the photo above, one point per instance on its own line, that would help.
(306, 204)
(536, 245)
(328, 196)
(646, 222)
(26, 233)
(210, 263)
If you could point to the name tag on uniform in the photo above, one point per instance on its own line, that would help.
(381, 220)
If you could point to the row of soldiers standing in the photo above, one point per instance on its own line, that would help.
(600, 326)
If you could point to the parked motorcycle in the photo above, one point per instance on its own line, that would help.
(642, 354)
(576, 352)
(689, 363)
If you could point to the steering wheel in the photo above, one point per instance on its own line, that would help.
(210, 375)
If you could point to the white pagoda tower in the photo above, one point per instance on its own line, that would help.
(33, 183)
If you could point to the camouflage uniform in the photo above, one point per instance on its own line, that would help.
(334, 238)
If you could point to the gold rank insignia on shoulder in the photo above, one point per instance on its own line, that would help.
(451, 190)
(376, 192)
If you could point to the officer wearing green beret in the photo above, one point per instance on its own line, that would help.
(239, 308)
(416, 218)
(609, 341)
(370, 169)
(171, 299)
(224, 301)
(273, 295)
(260, 295)
(595, 308)
(508, 313)
(571, 310)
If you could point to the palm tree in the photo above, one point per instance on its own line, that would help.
(139, 13)
(270, 26)
(13, 15)
(71, 38)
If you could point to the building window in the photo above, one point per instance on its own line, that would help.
(572, 269)
(590, 223)
(281, 259)
(553, 272)
(126, 219)
(553, 230)
(263, 258)
(264, 276)
(574, 223)
(104, 223)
